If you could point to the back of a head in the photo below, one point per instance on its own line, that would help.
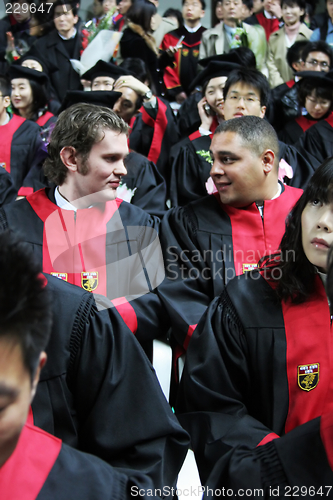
(25, 308)
(80, 126)
(318, 46)
(5, 88)
(256, 134)
(295, 52)
(141, 12)
(251, 77)
(246, 56)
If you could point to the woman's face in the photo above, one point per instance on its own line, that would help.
(108, 5)
(291, 14)
(219, 11)
(21, 95)
(317, 232)
(316, 106)
(214, 94)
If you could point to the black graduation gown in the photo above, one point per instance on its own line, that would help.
(50, 49)
(118, 245)
(42, 468)
(188, 118)
(153, 134)
(206, 244)
(180, 76)
(191, 164)
(20, 147)
(99, 393)
(256, 370)
(317, 143)
(7, 191)
(150, 187)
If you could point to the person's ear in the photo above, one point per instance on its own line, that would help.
(41, 363)
(6, 101)
(262, 111)
(268, 160)
(69, 158)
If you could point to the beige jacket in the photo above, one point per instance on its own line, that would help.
(278, 67)
(214, 41)
(161, 26)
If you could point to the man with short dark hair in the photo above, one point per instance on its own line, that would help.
(59, 46)
(79, 231)
(178, 78)
(223, 235)
(41, 464)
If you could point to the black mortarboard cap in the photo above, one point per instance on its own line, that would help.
(16, 71)
(213, 70)
(103, 68)
(105, 98)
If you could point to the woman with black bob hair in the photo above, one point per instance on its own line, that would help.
(137, 41)
(315, 94)
(309, 258)
(28, 95)
(260, 399)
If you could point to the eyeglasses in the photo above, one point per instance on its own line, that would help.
(314, 63)
(248, 99)
(323, 103)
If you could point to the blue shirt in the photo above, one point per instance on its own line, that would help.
(329, 38)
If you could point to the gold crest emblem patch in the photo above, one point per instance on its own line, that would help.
(89, 281)
(3, 165)
(308, 376)
(249, 267)
(61, 276)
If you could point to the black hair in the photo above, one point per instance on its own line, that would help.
(256, 134)
(203, 3)
(248, 4)
(140, 70)
(296, 273)
(39, 100)
(73, 6)
(43, 17)
(246, 56)
(252, 78)
(5, 87)
(300, 3)
(141, 12)
(25, 306)
(295, 52)
(318, 46)
(306, 87)
(175, 13)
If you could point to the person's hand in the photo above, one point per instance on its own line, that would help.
(172, 50)
(275, 9)
(133, 83)
(180, 98)
(86, 84)
(10, 42)
(206, 119)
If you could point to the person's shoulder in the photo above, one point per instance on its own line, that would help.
(215, 30)
(305, 31)
(132, 214)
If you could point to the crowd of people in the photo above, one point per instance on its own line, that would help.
(180, 190)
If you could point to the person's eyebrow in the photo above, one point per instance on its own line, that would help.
(7, 391)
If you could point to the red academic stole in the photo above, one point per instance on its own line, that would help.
(74, 247)
(329, 119)
(290, 83)
(7, 131)
(25, 472)
(269, 25)
(305, 123)
(254, 237)
(309, 357)
(159, 126)
(74, 242)
(44, 118)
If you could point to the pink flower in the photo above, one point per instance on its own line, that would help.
(210, 186)
(285, 170)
